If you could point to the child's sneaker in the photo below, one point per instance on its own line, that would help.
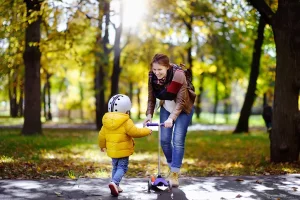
(119, 189)
(113, 189)
(173, 178)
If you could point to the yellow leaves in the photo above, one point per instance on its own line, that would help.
(59, 194)
(6, 159)
(71, 174)
(33, 44)
(33, 16)
(230, 165)
(212, 69)
(200, 24)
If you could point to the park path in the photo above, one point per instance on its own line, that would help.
(282, 187)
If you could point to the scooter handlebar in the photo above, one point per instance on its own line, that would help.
(155, 124)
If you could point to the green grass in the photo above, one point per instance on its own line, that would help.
(6, 120)
(74, 154)
(209, 118)
(205, 118)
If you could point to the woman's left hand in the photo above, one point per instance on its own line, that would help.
(169, 123)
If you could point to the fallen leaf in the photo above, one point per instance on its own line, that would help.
(58, 194)
(258, 181)
(295, 188)
(238, 196)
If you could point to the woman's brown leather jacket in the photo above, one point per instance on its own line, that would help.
(184, 100)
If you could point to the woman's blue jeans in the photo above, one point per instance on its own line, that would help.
(173, 139)
(120, 167)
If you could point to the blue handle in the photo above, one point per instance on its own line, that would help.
(155, 124)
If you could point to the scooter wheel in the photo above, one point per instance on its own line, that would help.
(149, 185)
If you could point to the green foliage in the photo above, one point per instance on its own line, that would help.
(222, 37)
(11, 35)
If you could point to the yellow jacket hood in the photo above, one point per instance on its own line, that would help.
(114, 120)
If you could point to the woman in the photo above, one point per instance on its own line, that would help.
(167, 82)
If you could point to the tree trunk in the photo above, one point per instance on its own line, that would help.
(49, 114)
(189, 26)
(216, 102)
(13, 83)
(47, 98)
(139, 102)
(32, 59)
(190, 46)
(102, 57)
(243, 123)
(284, 136)
(198, 107)
(117, 54)
(21, 85)
(69, 115)
(265, 100)
(227, 104)
(44, 100)
(81, 90)
(130, 90)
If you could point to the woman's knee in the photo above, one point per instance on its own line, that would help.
(179, 139)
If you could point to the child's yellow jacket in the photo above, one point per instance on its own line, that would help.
(117, 133)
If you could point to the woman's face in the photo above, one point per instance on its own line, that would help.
(160, 71)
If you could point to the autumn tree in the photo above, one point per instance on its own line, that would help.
(285, 135)
(102, 52)
(117, 55)
(32, 61)
(12, 35)
(243, 123)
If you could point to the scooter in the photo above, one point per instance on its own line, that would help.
(158, 182)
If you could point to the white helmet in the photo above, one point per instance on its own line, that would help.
(119, 103)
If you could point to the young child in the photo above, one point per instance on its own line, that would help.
(116, 136)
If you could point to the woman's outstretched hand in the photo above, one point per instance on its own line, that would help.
(169, 123)
(147, 120)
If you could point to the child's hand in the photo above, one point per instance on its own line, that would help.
(103, 149)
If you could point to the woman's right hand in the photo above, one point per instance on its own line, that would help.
(147, 120)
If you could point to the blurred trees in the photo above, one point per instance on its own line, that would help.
(12, 32)
(85, 51)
